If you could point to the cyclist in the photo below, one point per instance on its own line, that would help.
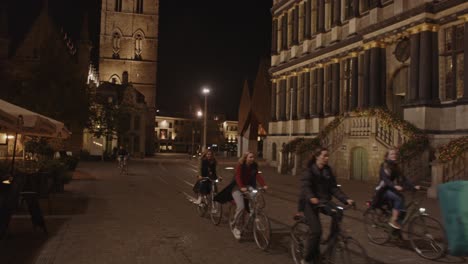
(391, 183)
(318, 187)
(122, 155)
(207, 169)
(301, 203)
(247, 174)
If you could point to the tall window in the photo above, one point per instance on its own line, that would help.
(314, 16)
(328, 88)
(118, 6)
(453, 60)
(348, 9)
(136, 123)
(347, 85)
(273, 152)
(302, 21)
(328, 14)
(138, 46)
(366, 5)
(116, 45)
(139, 6)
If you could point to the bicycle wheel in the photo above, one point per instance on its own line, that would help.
(375, 223)
(216, 212)
(335, 255)
(262, 231)
(299, 234)
(202, 207)
(427, 237)
(352, 252)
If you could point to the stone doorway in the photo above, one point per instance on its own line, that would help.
(398, 90)
(359, 164)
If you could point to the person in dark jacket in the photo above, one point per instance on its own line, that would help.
(318, 187)
(301, 203)
(391, 183)
(207, 169)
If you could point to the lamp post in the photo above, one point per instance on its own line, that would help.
(199, 114)
(205, 92)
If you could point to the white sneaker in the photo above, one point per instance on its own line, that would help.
(237, 233)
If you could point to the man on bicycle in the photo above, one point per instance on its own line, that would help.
(122, 156)
(318, 187)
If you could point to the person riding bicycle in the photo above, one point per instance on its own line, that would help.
(391, 183)
(246, 175)
(207, 169)
(122, 155)
(318, 187)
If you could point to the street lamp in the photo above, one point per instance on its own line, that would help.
(205, 92)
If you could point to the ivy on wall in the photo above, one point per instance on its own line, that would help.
(417, 140)
(453, 149)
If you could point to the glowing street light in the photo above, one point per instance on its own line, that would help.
(205, 92)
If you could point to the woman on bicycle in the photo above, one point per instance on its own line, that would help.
(207, 169)
(318, 187)
(247, 174)
(391, 183)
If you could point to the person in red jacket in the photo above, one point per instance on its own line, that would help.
(247, 175)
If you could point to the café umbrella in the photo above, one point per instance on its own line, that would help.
(19, 120)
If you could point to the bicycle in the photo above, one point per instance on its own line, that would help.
(207, 201)
(252, 220)
(123, 166)
(339, 247)
(426, 234)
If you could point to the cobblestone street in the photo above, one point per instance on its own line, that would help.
(148, 217)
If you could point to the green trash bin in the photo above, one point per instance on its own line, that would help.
(453, 199)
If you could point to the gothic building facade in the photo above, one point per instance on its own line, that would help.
(128, 50)
(38, 49)
(331, 57)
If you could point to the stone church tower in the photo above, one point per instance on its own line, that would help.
(128, 50)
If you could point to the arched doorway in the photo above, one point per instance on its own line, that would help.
(273, 152)
(359, 164)
(399, 87)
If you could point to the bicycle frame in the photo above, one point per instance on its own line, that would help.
(412, 210)
(252, 197)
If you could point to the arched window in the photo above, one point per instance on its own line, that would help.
(125, 77)
(115, 79)
(116, 45)
(138, 45)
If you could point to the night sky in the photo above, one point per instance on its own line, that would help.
(211, 43)
(214, 43)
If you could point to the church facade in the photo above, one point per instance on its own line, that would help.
(332, 58)
(128, 50)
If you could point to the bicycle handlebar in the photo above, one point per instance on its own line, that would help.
(209, 179)
(323, 204)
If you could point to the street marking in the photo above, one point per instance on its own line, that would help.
(189, 197)
(191, 184)
(162, 179)
(162, 167)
